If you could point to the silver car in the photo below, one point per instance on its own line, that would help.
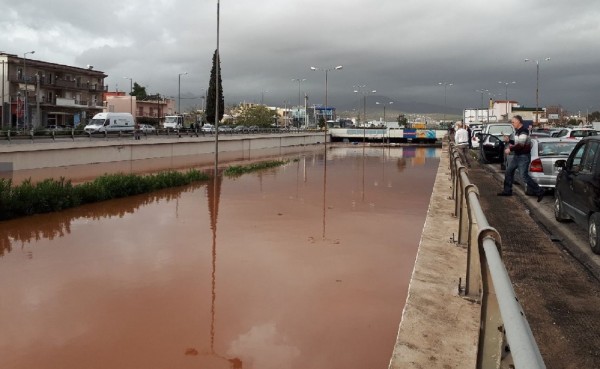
(544, 153)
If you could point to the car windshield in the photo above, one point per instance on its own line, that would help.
(500, 130)
(583, 133)
(96, 122)
(556, 148)
(170, 119)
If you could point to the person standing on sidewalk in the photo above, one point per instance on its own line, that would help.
(461, 139)
(520, 146)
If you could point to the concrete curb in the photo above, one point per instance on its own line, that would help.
(439, 329)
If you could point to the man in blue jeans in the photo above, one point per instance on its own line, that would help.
(520, 146)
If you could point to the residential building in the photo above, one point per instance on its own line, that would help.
(36, 94)
(151, 109)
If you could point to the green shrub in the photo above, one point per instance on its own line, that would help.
(238, 170)
(54, 195)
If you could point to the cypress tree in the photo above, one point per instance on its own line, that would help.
(211, 97)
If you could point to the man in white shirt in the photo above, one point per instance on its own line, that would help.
(461, 139)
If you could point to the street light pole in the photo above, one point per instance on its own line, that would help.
(217, 67)
(482, 106)
(506, 94)
(361, 89)
(262, 97)
(326, 70)
(384, 104)
(299, 80)
(26, 114)
(130, 94)
(445, 84)
(537, 89)
(179, 92)
(3, 76)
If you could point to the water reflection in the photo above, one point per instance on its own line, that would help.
(224, 275)
(51, 226)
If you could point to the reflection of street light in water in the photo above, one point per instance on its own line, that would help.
(324, 189)
(213, 192)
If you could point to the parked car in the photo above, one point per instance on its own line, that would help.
(577, 193)
(577, 133)
(146, 128)
(208, 128)
(225, 129)
(492, 142)
(240, 129)
(475, 137)
(545, 152)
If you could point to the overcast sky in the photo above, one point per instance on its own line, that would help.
(401, 48)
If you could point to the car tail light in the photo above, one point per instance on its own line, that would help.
(536, 166)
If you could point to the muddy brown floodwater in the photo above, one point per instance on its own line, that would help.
(302, 267)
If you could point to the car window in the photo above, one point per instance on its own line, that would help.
(589, 157)
(556, 148)
(575, 160)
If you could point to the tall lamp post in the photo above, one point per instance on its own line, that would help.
(26, 114)
(384, 104)
(537, 88)
(445, 84)
(299, 80)
(130, 94)
(482, 91)
(506, 93)
(2, 101)
(362, 89)
(326, 70)
(179, 92)
(262, 97)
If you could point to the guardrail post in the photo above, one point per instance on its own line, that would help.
(8, 135)
(464, 216)
(53, 136)
(473, 274)
(492, 336)
(31, 134)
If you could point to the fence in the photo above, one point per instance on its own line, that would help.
(505, 339)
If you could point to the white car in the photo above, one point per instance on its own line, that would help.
(576, 133)
(146, 128)
(475, 136)
(208, 128)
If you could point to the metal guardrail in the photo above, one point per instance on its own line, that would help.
(505, 339)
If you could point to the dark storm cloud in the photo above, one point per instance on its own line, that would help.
(400, 48)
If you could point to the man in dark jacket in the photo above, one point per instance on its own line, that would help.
(520, 146)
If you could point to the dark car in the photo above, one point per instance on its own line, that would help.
(577, 191)
(491, 146)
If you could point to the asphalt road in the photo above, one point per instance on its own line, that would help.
(554, 273)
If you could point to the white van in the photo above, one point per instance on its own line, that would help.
(173, 122)
(110, 122)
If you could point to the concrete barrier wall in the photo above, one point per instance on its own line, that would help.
(58, 154)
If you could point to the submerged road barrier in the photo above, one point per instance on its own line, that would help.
(505, 338)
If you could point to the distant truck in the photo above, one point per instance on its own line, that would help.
(173, 122)
(110, 122)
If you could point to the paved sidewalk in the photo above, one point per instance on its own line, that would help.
(439, 329)
(560, 297)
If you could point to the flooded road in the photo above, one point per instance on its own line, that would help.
(302, 267)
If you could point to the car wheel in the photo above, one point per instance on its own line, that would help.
(559, 211)
(594, 233)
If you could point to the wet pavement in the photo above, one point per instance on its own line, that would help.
(303, 266)
(560, 294)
